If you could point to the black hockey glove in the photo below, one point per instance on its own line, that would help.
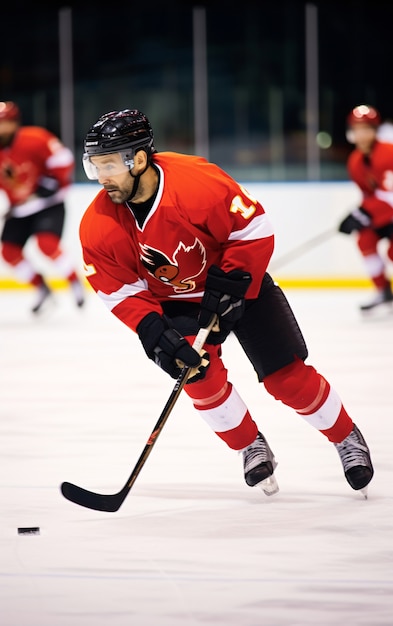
(47, 186)
(164, 343)
(357, 220)
(224, 296)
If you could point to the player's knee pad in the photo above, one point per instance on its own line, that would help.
(11, 253)
(49, 244)
(299, 386)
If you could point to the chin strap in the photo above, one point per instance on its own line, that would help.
(135, 187)
(136, 181)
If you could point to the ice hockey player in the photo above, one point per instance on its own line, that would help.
(170, 241)
(36, 172)
(370, 167)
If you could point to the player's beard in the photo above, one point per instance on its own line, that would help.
(118, 195)
(6, 140)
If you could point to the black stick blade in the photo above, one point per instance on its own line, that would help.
(91, 500)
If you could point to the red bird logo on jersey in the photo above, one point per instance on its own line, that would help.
(18, 179)
(187, 263)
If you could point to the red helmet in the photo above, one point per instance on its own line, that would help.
(9, 111)
(364, 114)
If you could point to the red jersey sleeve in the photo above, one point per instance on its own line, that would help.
(59, 161)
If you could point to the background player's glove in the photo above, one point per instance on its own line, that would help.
(224, 296)
(47, 186)
(164, 343)
(357, 220)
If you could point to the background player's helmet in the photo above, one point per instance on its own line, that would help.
(364, 114)
(9, 111)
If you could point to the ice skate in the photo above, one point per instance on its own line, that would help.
(384, 296)
(78, 292)
(43, 296)
(259, 465)
(356, 460)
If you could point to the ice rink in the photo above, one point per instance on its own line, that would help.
(192, 544)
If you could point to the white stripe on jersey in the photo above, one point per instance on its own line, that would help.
(386, 196)
(259, 228)
(113, 299)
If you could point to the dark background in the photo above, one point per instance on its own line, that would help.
(140, 55)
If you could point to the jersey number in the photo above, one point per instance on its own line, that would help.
(238, 205)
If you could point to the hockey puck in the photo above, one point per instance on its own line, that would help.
(29, 530)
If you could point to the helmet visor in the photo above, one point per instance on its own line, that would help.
(107, 165)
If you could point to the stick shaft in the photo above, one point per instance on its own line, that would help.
(302, 249)
(180, 382)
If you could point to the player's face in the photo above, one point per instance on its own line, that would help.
(363, 136)
(7, 130)
(114, 176)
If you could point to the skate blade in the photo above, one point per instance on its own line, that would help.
(269, 486)
(365, 492)
(386, 307)
(44, 307)
(78, 294)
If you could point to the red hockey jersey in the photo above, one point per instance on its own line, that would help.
(35, 152)
(200, 217)
(374, 177)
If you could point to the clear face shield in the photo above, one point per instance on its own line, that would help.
(102, 166)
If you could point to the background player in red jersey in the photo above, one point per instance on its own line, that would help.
(370, 166)
(172, 240)
(36, 171)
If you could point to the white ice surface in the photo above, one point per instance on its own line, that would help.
(192, 544)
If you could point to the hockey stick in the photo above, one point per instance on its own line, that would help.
(303, 248)
(112, 502)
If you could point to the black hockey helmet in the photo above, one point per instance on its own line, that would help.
(125, 132)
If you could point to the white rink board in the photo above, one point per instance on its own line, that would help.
(299, 212)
